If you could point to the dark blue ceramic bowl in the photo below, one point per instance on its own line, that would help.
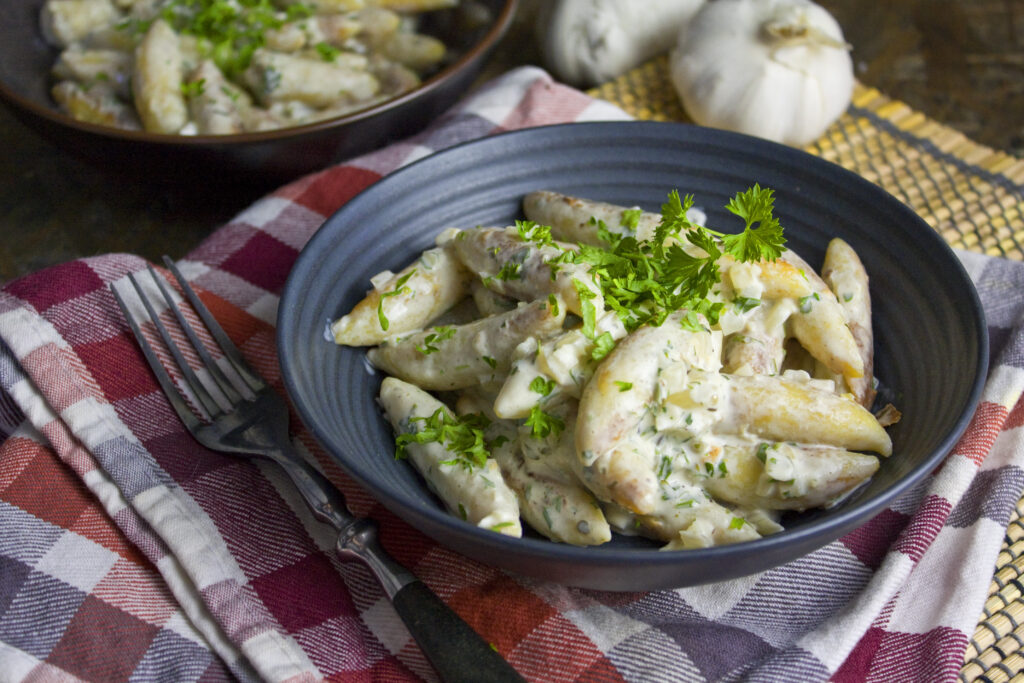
(931, 346)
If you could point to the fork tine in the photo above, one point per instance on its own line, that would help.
(231, 351)
(204, 397)
(218, 376)
(163, 379)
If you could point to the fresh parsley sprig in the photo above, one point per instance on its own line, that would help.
(645, 281)
(766, 241)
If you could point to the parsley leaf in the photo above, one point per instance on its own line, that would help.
(542, 386)
(744, 303)
(587, 309)
(513, 267)
(463, 435)
(529, 231)
(603, 345)
(631, 218)
(327, 51)
(543, 424)
(399, 288)
(763, 242)
(193, 88)
(510, 271)
(553, 304)
(439, 334)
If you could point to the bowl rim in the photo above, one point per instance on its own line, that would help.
(831, 526)
(493, 36)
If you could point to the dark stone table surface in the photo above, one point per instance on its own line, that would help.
(960, 62)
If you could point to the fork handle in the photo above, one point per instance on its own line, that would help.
(456, 651)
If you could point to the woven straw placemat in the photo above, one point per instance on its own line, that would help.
(974, 197)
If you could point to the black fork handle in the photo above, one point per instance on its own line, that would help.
(455, 650)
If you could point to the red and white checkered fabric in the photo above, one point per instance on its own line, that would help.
(129, 551)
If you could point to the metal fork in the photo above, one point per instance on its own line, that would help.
(251, 419)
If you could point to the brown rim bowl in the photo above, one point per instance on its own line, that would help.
(266, 157)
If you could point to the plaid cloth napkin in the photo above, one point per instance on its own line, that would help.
(129, 551)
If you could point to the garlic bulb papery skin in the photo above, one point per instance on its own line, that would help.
(777, 69)
(587, 42)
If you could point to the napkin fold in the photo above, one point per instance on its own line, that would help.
(129, 550)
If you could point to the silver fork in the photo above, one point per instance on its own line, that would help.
(251, 420)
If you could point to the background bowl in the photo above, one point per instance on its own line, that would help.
(931, 340)
(270, 157)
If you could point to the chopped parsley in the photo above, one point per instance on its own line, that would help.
(227, 31)
(631, 218)
(399, 288)
(623, 386)
(603, 345)
(542, 386)
(543, 424)
(327, 51)
(744, 303)
(439, 334)
(463, 435)
(553, 304)
(512, 269)
(193, 88)
(529, 231)
(588, 312)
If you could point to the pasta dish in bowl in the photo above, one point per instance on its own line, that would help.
(659, 445)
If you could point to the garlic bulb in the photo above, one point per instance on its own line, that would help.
(777, 69)
(586, 42)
